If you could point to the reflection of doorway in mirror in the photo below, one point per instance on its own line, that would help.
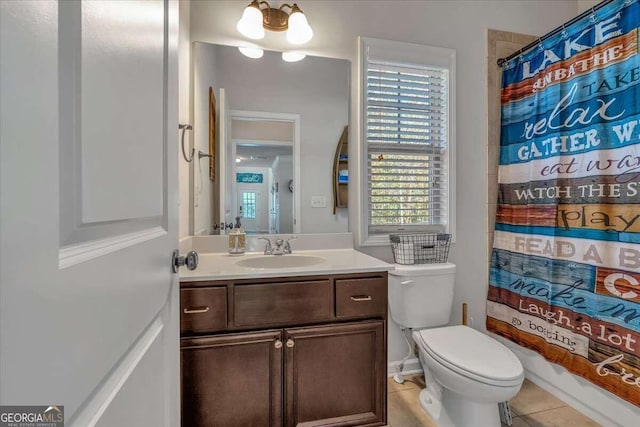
(265, 145)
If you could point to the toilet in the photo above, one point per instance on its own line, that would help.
(467, 372)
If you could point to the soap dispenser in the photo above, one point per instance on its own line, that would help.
(237, 239)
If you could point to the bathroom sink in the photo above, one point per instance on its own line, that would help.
(280, 261)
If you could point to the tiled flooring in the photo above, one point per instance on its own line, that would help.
(532, 407)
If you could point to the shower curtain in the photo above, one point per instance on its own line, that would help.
(565, 266)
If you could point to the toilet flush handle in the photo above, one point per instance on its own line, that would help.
(406, 282)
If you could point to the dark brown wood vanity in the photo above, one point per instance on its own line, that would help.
(290, 351)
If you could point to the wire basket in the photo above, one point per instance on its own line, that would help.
(421, 248)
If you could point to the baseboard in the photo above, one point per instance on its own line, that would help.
(534, 363)
(411, 367)
(568, 398)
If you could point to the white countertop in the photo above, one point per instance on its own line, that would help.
(222, 266)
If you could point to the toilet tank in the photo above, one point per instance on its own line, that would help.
(421, 295)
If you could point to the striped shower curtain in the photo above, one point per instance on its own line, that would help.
(565, 266)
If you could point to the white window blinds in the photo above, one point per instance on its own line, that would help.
(406, 127)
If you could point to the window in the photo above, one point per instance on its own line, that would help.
(407, 123)
(249, 205)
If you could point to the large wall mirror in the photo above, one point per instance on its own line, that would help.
(277, 128)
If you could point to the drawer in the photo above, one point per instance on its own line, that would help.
(282, 303)
(203, 309)
(361, 297)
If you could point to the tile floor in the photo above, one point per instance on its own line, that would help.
(532, 407)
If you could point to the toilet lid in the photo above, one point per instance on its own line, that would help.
(435, 269)
(472, 354)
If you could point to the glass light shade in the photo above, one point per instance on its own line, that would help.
(299, 30)
(293, 56)
(251, 52)
(250, 25)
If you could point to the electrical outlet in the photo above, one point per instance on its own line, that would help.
(318, 202)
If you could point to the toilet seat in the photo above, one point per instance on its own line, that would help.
(472, 354)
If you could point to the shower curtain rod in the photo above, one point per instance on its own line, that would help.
(587, 12)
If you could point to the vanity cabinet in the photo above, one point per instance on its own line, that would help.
(335, 375)
(294, 351)
(232, 380)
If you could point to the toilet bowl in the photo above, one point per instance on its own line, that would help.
(467, 372)
(474, 372)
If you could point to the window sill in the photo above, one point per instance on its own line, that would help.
(383, 240)
(377, 240)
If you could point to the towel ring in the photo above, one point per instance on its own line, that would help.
(189, 158)
(185, 128)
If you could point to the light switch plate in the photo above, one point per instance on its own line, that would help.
(318, 202)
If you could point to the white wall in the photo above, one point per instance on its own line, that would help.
(283, 175)
(262, 130)
(459, 25)
(317, 89)
(586, 4)
(184, 115)
(203, 189)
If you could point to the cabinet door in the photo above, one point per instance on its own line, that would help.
(336, 375)
(232, 380)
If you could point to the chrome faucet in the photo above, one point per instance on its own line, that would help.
(287, 245)
(281, 247)
(268, 250)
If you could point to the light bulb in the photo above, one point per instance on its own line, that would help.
(293, 56)
(251, 52)
(299, 30)
(250, 25)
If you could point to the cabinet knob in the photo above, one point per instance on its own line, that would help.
(278, 344)
(290, 343)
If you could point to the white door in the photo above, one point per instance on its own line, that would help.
(88, 302)
(251, 208)
(227, 159)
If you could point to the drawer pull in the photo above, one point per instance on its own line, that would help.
(196, 310)
(290, 343)
(278, 344)
(359, 298)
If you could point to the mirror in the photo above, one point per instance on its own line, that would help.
(277, 126)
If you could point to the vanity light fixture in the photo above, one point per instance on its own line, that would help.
(251, 52)
(293, 56)
(256, 18)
